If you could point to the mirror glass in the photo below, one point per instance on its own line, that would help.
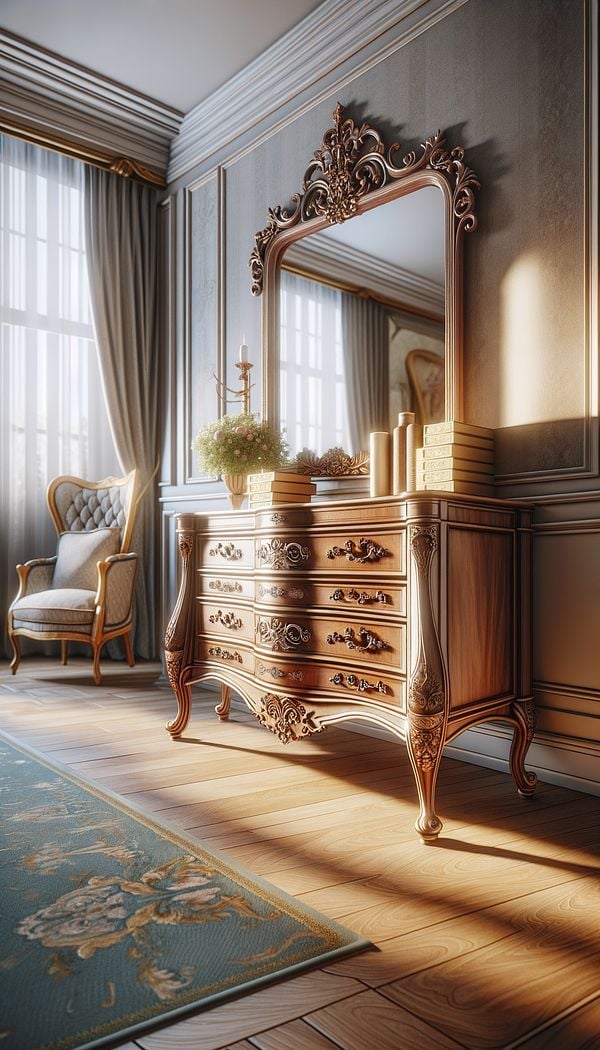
(361, 324)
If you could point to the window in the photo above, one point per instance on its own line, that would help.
(313, 410)
(52, 414)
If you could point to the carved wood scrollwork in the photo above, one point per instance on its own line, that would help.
(363, 551)
(280, 636)
(276, 672)
(352, 162)
(286, 717)
(225, 654)
(225, 586)
(425, 735)
(363, 641)
(281, 555)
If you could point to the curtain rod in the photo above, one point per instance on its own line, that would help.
(342, 286)
(89, 155)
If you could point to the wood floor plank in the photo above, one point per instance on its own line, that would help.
(559, 952)
(499, 918)
(297, 1035)
(365, 1021)
(239, 1019)
(580, 1028)
(423, 949)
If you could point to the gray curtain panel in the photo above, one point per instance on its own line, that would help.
(121, 226)
(366, 342)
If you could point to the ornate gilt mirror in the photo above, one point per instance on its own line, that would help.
(361, 280)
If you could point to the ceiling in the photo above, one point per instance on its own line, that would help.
(175, 51)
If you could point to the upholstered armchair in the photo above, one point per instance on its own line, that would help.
(84, 593)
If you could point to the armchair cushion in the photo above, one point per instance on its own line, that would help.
(59, 607)
(78, 553)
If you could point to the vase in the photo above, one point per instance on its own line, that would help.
(236, 486)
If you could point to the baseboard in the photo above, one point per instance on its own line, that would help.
(566, 763)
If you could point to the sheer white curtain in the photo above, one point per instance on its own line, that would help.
(52, 414)
(312, 383)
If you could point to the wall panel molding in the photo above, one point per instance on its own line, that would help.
(43, 91)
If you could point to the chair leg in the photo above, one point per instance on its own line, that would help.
(64, 652)
(16, 645)
(128, 649)
(96, 664)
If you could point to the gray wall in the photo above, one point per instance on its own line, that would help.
(510, 81)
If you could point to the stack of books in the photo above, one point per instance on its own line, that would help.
(456, 457)
(279, 486)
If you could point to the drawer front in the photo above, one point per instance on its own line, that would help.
(225, 620)
(221, 552)
(349, 683)
(224, 653)
(380, 643)
(225, 588)
(369, 553)
(303, 593)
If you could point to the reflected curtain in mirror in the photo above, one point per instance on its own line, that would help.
(366, 351)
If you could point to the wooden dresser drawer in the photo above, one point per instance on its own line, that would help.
(228, 653)
(284, 675)
(305, 593)
(225, 588)
(335, 552)
(226, 620)
(222, 552)
(379, 643)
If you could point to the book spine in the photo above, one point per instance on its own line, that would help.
(456, 451)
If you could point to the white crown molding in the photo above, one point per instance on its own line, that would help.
(340, 262)
(41, 89)
(310, 52)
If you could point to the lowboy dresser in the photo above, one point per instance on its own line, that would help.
(411, 613)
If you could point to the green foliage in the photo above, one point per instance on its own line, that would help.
(239, 445)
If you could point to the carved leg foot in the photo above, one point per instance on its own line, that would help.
(424, 742)
(222, 708)
(64, 652)
(182, 691)
(128, 649)
(16, 646)
(524, 719)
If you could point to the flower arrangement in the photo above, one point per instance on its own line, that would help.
(239, 445)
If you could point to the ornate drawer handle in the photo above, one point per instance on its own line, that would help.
(281, 636)
(276, 672)
(364, 642)
(360, 684)
(229, 620)
(365, 550)
(362, 597)
(280, 592)
(225, 586)
(225, 654)
(281, 555)
(229, 551)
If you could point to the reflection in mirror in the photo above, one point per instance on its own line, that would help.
(362, 324)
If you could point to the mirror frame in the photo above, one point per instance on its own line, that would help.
(350, 173)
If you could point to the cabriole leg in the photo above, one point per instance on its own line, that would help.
(223, 707)
(523, 712)
(128, 649)
(424, 742)
(16, 646)
(183, 692)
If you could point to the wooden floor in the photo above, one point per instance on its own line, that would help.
(488, 939)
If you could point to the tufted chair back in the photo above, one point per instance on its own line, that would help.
(77, 505)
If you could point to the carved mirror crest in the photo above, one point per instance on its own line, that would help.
(351, 174)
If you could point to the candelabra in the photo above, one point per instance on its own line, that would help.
(243, 395)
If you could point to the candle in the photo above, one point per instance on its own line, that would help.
(379, 467)
(243, 358)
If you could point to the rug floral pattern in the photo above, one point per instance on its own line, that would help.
(117, 923)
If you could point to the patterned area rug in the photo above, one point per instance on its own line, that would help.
(110, 923)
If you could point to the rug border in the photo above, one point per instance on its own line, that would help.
(240, 873)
